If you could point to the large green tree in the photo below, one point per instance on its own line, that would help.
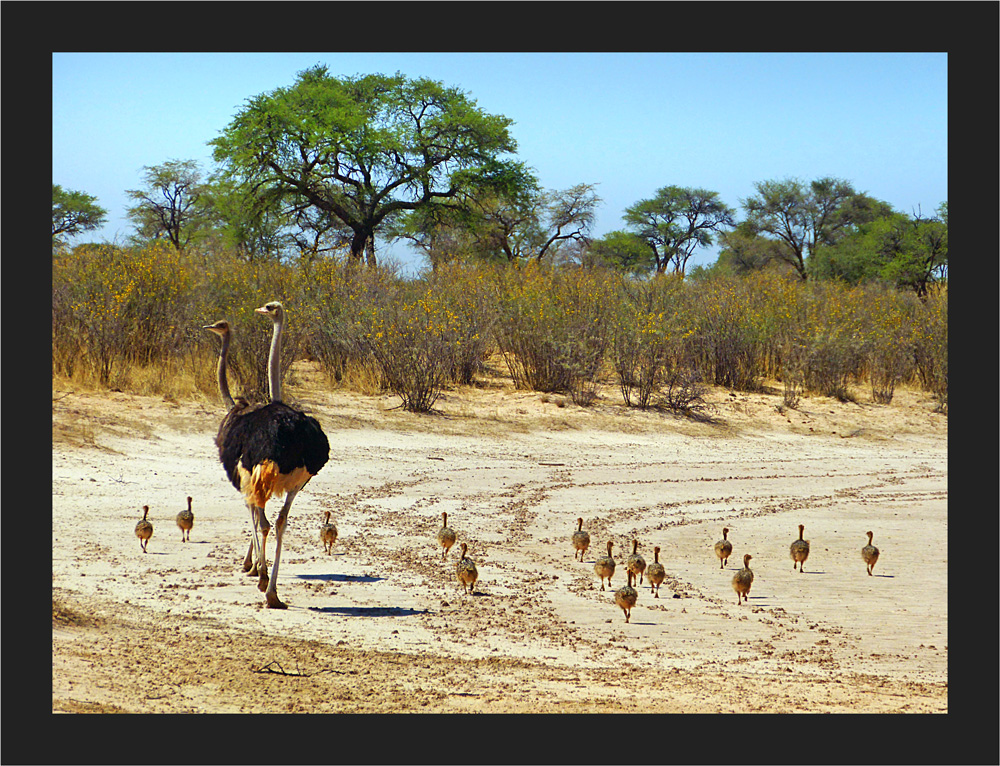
(804, 217)
(74, 212)
(676, 221)
(363, 149)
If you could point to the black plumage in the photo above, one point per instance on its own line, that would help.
(251, 434)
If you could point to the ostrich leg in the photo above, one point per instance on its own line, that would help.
(250, 562)
(260, 565)
(273, 602)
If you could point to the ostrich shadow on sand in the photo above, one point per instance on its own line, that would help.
(369, 611)
(340, 578)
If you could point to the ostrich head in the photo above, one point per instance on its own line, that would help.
(220, 328)
(273, 309)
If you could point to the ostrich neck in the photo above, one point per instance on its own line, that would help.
(274, 362)
(223, 380)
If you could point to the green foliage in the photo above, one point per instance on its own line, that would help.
(744, 251)
(802, 218)
(173, 204)
(676, 221)
(250, 223)
(624, 251)
(911, 253)
(74, 212)
(362, 149)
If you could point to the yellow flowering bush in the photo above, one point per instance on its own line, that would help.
(120, 306)
(553, 327)
(931, 345)
(559, 329)
(413, 338)
(647, 334)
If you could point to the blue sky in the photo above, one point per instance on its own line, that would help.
(630, 123)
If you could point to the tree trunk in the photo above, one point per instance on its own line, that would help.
(363, 247)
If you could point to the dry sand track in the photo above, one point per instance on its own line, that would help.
(383, 626)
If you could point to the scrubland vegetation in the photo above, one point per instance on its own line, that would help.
(131, 318)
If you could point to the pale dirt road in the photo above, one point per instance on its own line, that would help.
(383, 626)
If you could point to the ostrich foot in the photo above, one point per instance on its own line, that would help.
(273, 602)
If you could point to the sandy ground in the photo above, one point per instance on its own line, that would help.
(382, 625)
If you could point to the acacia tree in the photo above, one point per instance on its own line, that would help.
(624, 250)
(567, 216)
(677, 221)
(910, 252)
(743, 250)
(74, 212)
(174, 203)
(363, 149)
(506, 218)
(803, 218)
(533, 223)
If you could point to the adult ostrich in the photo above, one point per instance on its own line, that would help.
(268, 451)
(234, 408)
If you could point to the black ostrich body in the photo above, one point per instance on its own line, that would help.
(285, 446)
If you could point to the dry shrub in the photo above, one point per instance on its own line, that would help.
(731, 336)
(115, 307)
(889, 345)
(684, 392)
(414, 340)
(469, 294)
(553, 328)
(931, 345)
(793, 373)
(645, 331)
(337, 294)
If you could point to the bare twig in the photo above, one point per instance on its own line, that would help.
(270, 668)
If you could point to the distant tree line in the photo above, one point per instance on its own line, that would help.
(335, 166)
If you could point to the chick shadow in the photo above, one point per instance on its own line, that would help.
(369, 611)
(340, 578)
